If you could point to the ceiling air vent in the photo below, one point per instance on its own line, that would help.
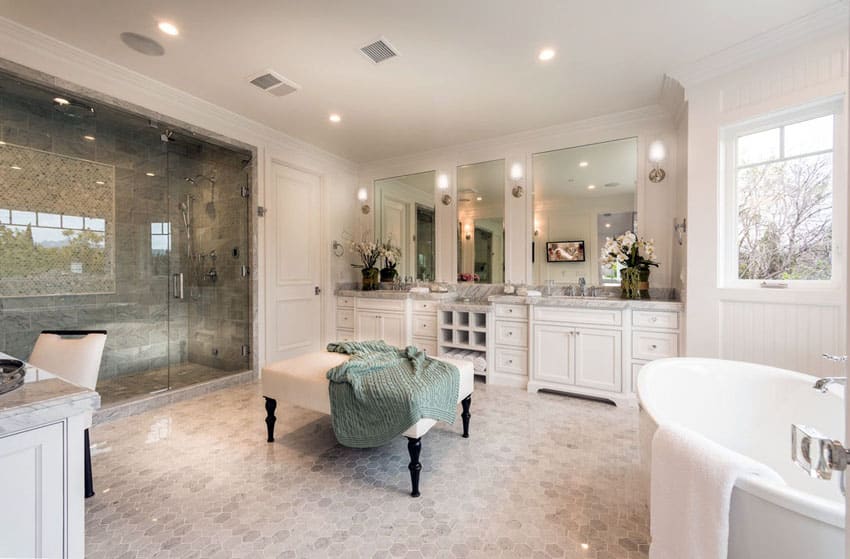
(379, 51)
(272, 82)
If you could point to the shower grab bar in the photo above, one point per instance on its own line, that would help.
(177, 285)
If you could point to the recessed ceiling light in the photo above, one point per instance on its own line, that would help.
(150, 174)
(608, 225)
(585, 546)
(546, 54)
(88, 137)
(479, 198)
(591, 186)
(99, 182)
(61, 101)
(334, 117)
(583, 163)
(15, 167)
(168, 28)
(2, 143)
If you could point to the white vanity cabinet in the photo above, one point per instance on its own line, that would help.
(655, 335)
(381, 319)
(599, 351)
(510, 362)
(41, 461)
(362, 319)
(577, 359)
(425, 326)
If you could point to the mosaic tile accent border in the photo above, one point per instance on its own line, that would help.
(57, 224)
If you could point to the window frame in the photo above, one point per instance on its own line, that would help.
(728, 242)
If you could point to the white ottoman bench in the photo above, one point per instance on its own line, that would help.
(302, 381)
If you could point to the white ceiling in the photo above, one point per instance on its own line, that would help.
(558, 175)
(468, 69)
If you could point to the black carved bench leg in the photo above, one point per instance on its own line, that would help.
(89, 484)
(466, 415)
(414, 447)
(271, 404)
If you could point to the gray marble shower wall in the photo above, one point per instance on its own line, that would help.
(131, 251)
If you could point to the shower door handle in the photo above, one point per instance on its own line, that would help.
(177, 285)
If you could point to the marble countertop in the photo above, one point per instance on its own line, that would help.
(451, 300)
(43, 398)
(399, 295)
(589, 302)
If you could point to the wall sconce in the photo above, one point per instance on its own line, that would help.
(536, 228)
(516, 176)
(467, 231)
(657, 153)
(443, 185)
(363, 196)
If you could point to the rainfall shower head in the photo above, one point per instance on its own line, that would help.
(196, 178)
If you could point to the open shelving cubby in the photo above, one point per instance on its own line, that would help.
(463, 332)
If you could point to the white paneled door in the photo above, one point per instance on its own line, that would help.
(293, 263)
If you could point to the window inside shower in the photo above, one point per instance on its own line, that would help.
(111, 221)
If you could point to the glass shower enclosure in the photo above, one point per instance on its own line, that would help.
(109, 220)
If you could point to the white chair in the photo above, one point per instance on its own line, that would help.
(73, 355)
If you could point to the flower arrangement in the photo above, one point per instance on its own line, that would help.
(635, 255)
(464, 276)
(369, 253)
(391, 256)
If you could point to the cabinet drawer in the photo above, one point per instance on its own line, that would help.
(425, 326)
(428, 346)
(654, 345)
(425, 306)
(511, 361)
(520, 312)
(344, 318)
(381, 305)
(345, 335)
(345, 302)
(512, 333)
(656, 319)
(601, 317)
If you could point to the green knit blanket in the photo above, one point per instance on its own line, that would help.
(382, 391)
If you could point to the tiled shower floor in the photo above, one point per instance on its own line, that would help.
(127, 387)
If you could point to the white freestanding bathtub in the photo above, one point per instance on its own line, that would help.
(749, 409)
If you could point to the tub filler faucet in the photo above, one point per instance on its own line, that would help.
(824, 383)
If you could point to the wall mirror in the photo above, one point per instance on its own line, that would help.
(481, 222)
(404, 217)
(582, 195)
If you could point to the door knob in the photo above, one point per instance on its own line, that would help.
(317, 290)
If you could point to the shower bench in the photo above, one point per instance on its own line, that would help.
(302, 381)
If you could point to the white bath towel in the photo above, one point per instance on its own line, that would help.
(691, 493)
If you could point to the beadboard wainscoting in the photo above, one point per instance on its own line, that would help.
(788, 335)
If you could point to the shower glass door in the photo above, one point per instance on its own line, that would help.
(209, 283)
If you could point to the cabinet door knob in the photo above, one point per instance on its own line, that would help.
(653, 346)
(510, 361)
(654, 319)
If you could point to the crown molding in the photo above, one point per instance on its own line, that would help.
(830, 20)
(83, 72)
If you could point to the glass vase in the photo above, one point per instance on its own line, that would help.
(371, 279)
(630, 283)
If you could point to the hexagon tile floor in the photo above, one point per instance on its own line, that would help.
(542, 475)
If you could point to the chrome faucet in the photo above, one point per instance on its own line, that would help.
(824, 383)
